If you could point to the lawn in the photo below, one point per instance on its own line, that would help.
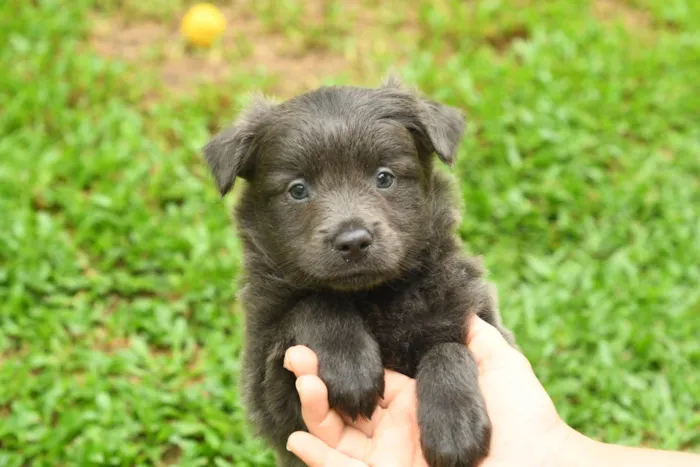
(580, 174)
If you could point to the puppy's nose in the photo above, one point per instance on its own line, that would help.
(353, 243)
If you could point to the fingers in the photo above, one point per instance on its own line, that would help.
(488, 346)
(315, 453)
(327, 425)
(301, 360)
(318, 417)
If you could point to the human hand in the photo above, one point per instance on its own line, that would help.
(526, 427)
(389, 439)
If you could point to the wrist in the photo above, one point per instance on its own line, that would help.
(580, 451)
(573, 449)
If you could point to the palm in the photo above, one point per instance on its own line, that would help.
(392, 434)
(389, 439)
(525, 418)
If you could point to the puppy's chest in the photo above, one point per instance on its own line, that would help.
(407, 323)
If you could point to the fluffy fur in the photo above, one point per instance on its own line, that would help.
(403, 305)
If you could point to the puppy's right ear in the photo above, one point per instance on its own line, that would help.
(231, 153)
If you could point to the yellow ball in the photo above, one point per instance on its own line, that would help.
(203, 24)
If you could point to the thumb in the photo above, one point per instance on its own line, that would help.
(487, 345)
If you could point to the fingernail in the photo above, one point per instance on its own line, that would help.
(298, 384)
(286, 361)
(289, 442)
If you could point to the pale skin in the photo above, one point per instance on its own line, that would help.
(527, 430)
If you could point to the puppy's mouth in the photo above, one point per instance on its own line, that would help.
(356, 280)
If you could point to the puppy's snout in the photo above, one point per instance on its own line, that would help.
(353, 243)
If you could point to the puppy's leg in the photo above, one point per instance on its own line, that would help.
(349, 363)
(455, 428)
(349, 359)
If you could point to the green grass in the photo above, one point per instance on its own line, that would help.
(580, 173)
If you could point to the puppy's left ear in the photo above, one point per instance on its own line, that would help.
(232, 152)
(444, 127)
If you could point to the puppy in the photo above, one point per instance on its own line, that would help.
(350, 249)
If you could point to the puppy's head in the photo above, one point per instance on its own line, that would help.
(339, 179)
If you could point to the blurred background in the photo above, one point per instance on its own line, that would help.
(580, 175)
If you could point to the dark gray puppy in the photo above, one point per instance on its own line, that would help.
(350, 249)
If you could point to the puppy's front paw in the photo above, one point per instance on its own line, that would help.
(454, 435)
(354, 381)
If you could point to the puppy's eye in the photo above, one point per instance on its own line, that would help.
(298, 191)
(385, 179)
